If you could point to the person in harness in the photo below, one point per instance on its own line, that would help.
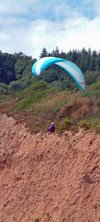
(51, 128)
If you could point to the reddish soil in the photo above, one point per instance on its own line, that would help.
(48, 177)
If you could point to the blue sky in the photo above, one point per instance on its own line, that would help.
(30, 25)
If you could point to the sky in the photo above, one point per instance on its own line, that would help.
(28, 26)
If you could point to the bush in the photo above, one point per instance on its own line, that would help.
(65, 125)
(3, 88)
(85, 124)
(90, 124)
(36, 219)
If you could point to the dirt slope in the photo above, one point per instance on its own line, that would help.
(48, 178)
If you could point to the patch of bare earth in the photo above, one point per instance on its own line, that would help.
(47, 176)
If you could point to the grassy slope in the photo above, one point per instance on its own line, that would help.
(39, 104)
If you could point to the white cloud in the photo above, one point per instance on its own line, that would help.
(66, 35)
(10, 21)
(15, 7)
(70, 30)
(81, 33)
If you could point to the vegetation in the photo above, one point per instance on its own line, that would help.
(40, 104)
(16, 74)
(53, 96)
(36, 219)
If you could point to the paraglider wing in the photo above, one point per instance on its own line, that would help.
(70, 67)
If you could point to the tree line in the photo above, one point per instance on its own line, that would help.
(16, 69)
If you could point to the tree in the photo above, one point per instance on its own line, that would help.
(44, 53)
(55, 52)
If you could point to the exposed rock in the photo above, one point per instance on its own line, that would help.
(47, 176)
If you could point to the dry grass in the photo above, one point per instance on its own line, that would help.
(78, 107)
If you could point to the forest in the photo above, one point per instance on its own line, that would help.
(16, 70)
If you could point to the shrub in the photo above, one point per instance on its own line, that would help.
(84, 123)
(36, 219)
(3, 88)
(90, 124)
(65, 125)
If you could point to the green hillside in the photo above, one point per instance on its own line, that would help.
(40, 104)
(53, 96)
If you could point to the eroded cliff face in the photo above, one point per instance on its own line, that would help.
(47, 176)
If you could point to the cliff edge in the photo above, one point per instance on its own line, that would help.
(48, 177)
